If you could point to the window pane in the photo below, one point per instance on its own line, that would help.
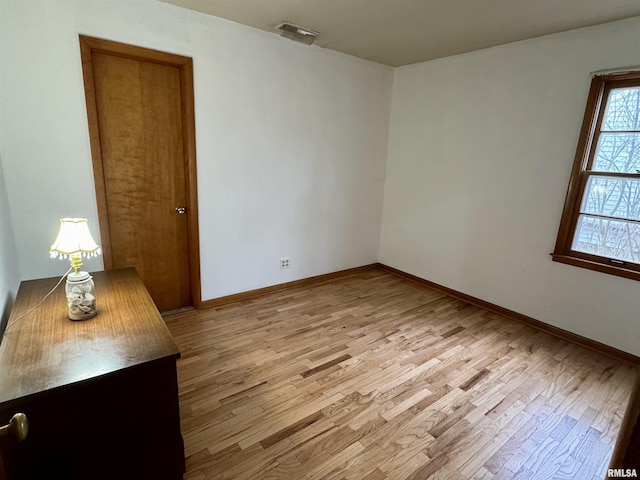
(617, 239)
(611, 196)
(618, 152)
(622, 110)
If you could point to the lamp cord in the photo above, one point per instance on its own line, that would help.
(41, 301)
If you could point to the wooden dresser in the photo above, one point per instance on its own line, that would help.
(101, 395)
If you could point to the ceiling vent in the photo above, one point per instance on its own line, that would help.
(296, 33)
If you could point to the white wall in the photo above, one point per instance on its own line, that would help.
(291, 146)
(9, 274)
(480, 151)
(291, 140)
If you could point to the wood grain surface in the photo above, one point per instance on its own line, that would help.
(532, 322)
(142, 132)
(373, 377)
(45, 350)
(139, 109)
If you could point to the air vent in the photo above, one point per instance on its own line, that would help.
(296, 33)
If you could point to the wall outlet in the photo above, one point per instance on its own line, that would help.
(285, 263)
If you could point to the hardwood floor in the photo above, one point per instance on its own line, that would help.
(372, 377)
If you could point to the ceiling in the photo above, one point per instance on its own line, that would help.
(401, 32)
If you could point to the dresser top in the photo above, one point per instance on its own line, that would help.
(45, 350)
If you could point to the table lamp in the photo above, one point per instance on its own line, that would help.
(74, 242)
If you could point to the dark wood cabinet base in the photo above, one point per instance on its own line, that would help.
(120, 422)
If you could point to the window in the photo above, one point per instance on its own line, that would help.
(600, 226)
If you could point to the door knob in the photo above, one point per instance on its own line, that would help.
(18, 427)
(181, 210)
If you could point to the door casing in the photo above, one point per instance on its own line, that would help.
(89, 45)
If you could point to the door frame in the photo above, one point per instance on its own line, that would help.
(89, 45)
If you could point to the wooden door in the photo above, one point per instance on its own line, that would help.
(140, 109)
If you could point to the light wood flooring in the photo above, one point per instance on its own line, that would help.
(373, 377)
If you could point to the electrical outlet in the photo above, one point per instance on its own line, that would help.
(285, 263)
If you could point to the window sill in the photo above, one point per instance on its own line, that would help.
(618, 271)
